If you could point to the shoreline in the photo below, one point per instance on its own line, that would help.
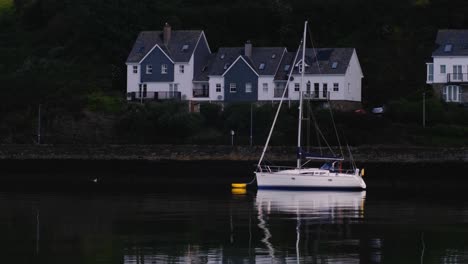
(368, 154)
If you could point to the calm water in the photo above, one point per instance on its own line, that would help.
(209, 224)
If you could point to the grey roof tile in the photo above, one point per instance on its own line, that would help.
(457, 38)
(147, 39)
(260, 55)
(319, 62)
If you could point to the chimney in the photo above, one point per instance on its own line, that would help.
(166, 34)
(248, 49)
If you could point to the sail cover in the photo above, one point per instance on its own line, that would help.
(301, 154)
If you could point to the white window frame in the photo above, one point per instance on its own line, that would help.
(336, 87)
(248, 87)
(452, 93)
(149, 69)
(181, 69)
(457, 73)
(163, 68)
(265, 87)
(297, 87)
(218, 87)
(135, 69)
(232, 88)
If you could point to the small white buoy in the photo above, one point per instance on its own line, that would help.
(95, 180)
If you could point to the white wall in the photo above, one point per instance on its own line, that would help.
(353, 79)
(133, 79)
(264, 96)
(184, 79)
(449, 62)
(213, 80)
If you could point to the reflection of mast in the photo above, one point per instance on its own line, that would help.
(262, 225)
(298, 234)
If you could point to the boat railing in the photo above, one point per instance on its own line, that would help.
(268, 168)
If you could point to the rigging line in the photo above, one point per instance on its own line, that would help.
(328, 99)
(326, 142)
(314, 50)
(279, 107)
(316, 129)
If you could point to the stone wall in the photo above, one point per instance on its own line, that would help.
(241, 153)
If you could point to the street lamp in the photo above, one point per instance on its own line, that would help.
(232, 137)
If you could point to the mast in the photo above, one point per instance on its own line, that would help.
(299, 128)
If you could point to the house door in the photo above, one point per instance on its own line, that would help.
(457, 73)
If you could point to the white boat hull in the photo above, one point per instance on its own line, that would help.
(309, 178)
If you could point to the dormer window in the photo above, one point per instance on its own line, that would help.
(273, 56)
(149, 69)
(185, 48)
(163, 68)
(286, 67)
(226, 66)
(448, 48)
(261, 66)
(222, 56)
(334, 65)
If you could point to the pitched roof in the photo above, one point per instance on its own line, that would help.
(148, 39)
(202, 74)
(264, 60)
(322, 61)
(451, 42)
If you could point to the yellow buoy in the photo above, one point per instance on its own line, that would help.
(238, 191)
(362, 172)
(239, 185)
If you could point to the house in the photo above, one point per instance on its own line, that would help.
(180, 65)
(331, 74)
(167, 65)
(245, 74)
(448, 71)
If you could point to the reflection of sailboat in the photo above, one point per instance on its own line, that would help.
(330, 175)
(320, 206)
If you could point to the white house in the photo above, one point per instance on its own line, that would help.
(448, 71)
(179, 65)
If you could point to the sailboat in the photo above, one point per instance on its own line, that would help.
(329, 176)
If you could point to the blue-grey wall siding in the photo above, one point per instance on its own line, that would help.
(240, 73)
(201, 56)
(156, 58)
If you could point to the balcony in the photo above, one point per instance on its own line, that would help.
(201, 92)
(457, 77)
(316, 95)
(153, 96)
(278, 93)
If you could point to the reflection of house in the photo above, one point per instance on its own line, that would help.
(179, 65)
(448, 72)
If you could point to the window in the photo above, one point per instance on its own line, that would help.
(135, 69)
(334, 65)
(262, 66)
(218, 87)
(265, 87)
(142, 90)
(185, 48)
(442, 69)
(181, 68)
(248, 87)
(336, 87)
(457, 73)
(297, 87)
(286, 67)
(316, 90)
(163, 68)
(232, 88)
(452, 93)
(149, 69)
(226, 66)
(325, 90)
(448, 48)
(273, 56)
(430, 72)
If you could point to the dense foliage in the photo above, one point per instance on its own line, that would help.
(69, 57)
